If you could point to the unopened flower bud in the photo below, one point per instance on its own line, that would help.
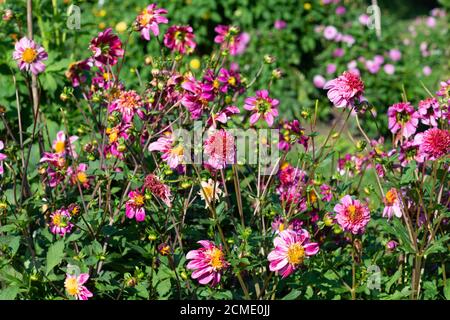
(277, 73)
(269, 59)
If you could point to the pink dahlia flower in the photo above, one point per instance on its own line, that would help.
(75, 288)
(223, 116)
(392, 204)
(149, 19)
(279, 24)
(158, 189)
(207, 262)
(173, 154)
(330, 33)
(319, 81)
(291, 249)
(134, 207)
(403, 119)
(79, 175)
(389, 69)
(409, 151)
(292, 132)
(60, 222)
(29, 56)
(262, 106)
(196, 97)
(326, 192)
(106, 48)
(76, 72)
(429, 112)
(116, 138)
(433, 143)
(230, 39)
(219, 149)
(128, 104)
(61, 146)
(352, 215)
(180, 39)
(2, 157)
(343, 90)
(228, 79)
(395, 54)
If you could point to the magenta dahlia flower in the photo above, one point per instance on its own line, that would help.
(207, 262)
(2, 157)
(262, 106)
(79, 175)
(116, 138)
(223, 116)
(392, 204)
(196, 97)
(134, 207)
(60, 222)
(106, 48)
(62, 147)
(29, 56)
(173, 152)
(128, 104)
(429, 112)
(433, 143)
(230, 39)
(352, 215)
(158, 189)
(180, 39)
(149, 19)
(291, 249)
(219, 149)
(345, 90)
(292, 132)
(76, 71)
(326, 192)
(403, 119)
(75, 288)
(409, 151)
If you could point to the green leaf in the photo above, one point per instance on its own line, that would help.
(294, 294)
(9, 293)
(163, 287)
(447, 289)
(55, 255)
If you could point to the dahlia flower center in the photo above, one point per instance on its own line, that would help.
(216, 84)
(60, 146)
(232, 81)
(354, 213)
(139, 200)
(113, 136)
(391, 197)
(178, 150)
(403, 117)
(217, 257)
(354, 82)
(295, 254)
(208, 192)
(29, 55)
(129, 101)
(263, 105)
(180, 35)
(59, 221)
(145, 18)
(72, 286)
(82, 177)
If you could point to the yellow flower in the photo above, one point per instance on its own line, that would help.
(101, 25)
(121, 27)
(195, 64)
(307, 6)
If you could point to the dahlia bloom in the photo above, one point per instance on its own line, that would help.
(61, 146)
(134, 207)
(60, 222)
(433, 143)
(207, 262)
(158, 189)
(389, 69)
(391, 245)
(128, 104)
(395, 54)
(230, 39)
(326, 192)
(196, 97)
(403, 119)
(29, 56)
(291, 249)
(2, 157)
(352, 215)
(219, 149)
(79, 175)
(116, 136)
(76, 71)
(279, 24)
(429, 112)
(409, 151)
(229, 80)
(392, 204)
(291, 132)
(149, 20)
(262, 106)
(106, 48)
(173, 154)
(330, 33)
(319, 81)
(209, 192)
(75, 288)
(180, 39)
(344, 90)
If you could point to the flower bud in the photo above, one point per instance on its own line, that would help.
(277, 73)
(269, 59)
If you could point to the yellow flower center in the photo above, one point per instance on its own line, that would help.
(232, 81)
(113, 135)
(56, 219)
(82, 177)
(29, 55)
(71, 285)
(354, 213)
(178, 150)
(216, 259)
(208, 192)
(145, 18)
(60, 146)
(295, 254)
(391, 197)
(216, 84)
(139, 200)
